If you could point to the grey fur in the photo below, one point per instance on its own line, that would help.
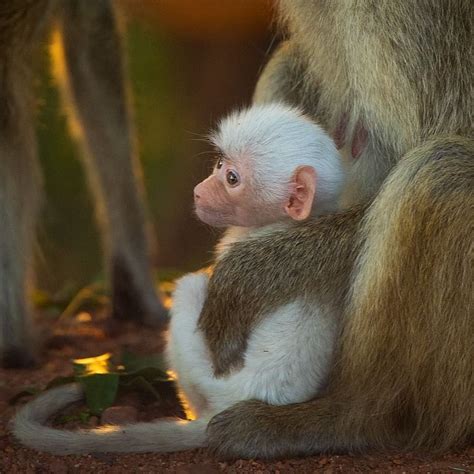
(97, 94)
(30, 428)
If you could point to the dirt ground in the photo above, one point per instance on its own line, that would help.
(80, 337)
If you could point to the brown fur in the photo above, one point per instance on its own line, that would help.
(96, 89)
(249, 299)
(404, 375)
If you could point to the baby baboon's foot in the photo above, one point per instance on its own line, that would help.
(135, 298)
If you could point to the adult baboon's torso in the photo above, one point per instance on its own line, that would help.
(398, 71)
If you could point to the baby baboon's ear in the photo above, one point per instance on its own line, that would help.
(302, 191)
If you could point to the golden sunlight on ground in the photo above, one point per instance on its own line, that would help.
(107, 429)
(190, 414)
(95, 365)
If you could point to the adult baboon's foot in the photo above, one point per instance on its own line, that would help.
(134, 297)
(17, 358)
(250, 429)
(17, 346)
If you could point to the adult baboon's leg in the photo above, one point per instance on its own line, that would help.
(98, 90)
(19, 202)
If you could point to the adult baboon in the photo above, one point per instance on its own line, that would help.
(98, 92)
(393, 82)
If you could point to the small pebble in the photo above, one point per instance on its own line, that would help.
(119, 415)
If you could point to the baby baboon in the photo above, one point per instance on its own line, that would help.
(274, 167)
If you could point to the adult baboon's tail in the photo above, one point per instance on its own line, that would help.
(29, 427)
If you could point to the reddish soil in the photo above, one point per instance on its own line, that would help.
(72, 339)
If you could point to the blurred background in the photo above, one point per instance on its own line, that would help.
(190, 62)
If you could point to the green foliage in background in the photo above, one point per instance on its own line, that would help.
(102, 380)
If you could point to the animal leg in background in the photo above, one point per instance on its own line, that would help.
(20, 186)
(98, 89)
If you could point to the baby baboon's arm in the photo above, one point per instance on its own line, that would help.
(264, 272)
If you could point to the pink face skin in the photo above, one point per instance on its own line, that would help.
(221, 199)
(226, 197)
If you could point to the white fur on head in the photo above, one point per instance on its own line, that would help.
(277, 139)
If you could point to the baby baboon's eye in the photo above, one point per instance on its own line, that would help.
(219, 163)
(232, 178)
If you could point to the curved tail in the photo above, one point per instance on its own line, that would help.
(29, 427)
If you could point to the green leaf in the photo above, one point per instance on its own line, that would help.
(141, 385)
(100, 390)
(150, 381)
(133, 362)
(151, 374)
(101, 379)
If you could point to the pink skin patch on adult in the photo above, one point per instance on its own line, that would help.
(339, 133)
(359, 138)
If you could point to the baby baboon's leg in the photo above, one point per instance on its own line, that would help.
(98, 90)
(19, 202)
